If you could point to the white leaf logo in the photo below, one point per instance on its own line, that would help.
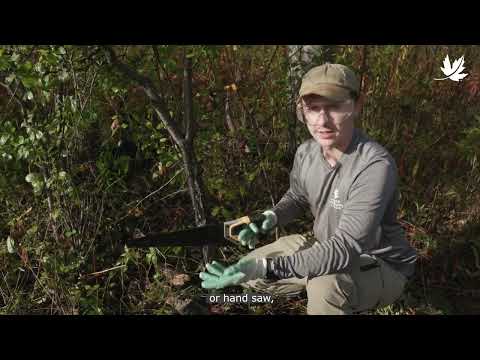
(453, 72)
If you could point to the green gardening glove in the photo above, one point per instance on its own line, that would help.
(219, 277)
(249, 236)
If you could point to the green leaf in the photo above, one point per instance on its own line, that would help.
(70, 233)
(14, 57)
(4, 139)
(38, 68)
(225, 213)
(37, 187)
(9, 79)
(10, 245)
(251, 176)
(242, 191)
(178, 250)
(30, 177)
(32, 230)
(63, 75)
(29, 82)
(29, 95)
(415, 169)
(216, 210)
(55, 214)
(3, 64)
(151, 257)
(21, 152)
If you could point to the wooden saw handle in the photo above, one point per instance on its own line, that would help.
(240, 224)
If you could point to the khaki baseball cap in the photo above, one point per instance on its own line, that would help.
(333, 81)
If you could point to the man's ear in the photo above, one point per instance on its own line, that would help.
(299, 111)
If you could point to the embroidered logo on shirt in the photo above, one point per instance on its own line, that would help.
(335, 201)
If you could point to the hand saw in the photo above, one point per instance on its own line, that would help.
(219, 234)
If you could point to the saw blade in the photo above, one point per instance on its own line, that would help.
(200, 236)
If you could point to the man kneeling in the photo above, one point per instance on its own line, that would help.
(360, 258)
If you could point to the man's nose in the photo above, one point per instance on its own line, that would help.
(321, 117)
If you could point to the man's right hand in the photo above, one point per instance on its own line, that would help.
(249, 236)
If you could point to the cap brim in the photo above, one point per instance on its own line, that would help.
(331, 92)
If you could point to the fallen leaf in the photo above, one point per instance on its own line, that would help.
(217, 309)
(115, 124)
(178, 304)
(171, 300)
(180, 279)
(24, 256)
(231, 87)
(10, 245)
(135, 212)
(137, 234)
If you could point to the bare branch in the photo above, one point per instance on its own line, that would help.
(187, 100)
(151, 92)
(14, 97)
(156, 191)
(160, 66)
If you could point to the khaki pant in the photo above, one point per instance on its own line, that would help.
(361, 287)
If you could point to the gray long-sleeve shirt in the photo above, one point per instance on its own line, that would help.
(354, 205)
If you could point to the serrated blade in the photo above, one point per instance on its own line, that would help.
(200, 236)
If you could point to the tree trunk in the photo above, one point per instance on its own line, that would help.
(184, 139)
(194, 181)
(194, 184)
